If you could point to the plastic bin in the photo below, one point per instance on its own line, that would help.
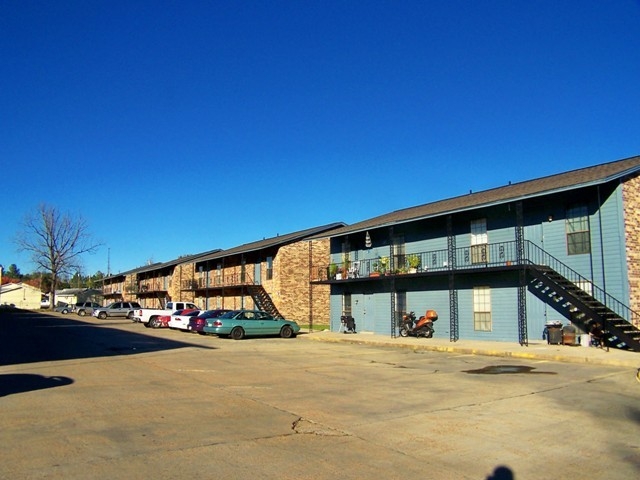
(554, 333)
(568, 335)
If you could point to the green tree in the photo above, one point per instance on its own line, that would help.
(13, 272)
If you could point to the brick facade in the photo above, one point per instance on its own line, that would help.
(288, 282)
(294, 296)
(631, 201)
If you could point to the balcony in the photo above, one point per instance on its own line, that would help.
(218, 281)
(465, 258)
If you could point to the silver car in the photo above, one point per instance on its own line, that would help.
(85, 308)
(117, 309)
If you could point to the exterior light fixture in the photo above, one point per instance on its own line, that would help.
(367, 240)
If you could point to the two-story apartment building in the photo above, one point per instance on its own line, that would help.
(499, 264)
(272, 274)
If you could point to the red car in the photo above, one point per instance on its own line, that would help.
(163, 321)
(196, 324)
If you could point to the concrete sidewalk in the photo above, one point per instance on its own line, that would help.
(538, 349)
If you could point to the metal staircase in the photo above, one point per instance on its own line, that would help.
(583, 309)
(263, 301)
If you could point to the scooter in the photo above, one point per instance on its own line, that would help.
(423, 327)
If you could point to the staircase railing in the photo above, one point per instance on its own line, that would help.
(537, 256)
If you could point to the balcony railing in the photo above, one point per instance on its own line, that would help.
(218, 281)
(471, 257)
(482, 256)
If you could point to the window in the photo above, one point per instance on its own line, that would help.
(482, 309)
(269, 268)
(346, 304)
(479, 240)
(578, 234)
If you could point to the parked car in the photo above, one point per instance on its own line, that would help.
(205, 318)
(181, 322)
(162, 321)
(145, 315)
(85, 308)
(63, 308)
(243, 323)
(116, 309)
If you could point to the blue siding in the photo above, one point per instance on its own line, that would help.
(544, 225)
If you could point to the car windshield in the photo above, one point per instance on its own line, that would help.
(231, 314)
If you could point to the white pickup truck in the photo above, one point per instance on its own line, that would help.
(143, 315)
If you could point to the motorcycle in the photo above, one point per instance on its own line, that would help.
(423, 327)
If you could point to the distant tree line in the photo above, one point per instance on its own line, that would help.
(43, 280)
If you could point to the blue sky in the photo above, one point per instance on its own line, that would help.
(177, 127)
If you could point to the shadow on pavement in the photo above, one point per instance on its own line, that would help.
(11, 383)
(28, 337)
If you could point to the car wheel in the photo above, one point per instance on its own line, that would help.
(102, 315)
(130, 315)
(82, 313)
(65, 311)
(286, 332)
(237, 333)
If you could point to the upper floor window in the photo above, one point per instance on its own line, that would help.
(578, 234)
(269, 268)
(479, 240)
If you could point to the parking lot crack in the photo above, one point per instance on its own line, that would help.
(304, 426)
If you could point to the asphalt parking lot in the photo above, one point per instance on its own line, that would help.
(83, 398)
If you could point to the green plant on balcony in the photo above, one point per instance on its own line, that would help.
(333, 270)
(384, 265)
(346, 264)
(413, 260)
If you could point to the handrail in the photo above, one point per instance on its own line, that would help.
(218, 281)
(489, 255)
(537, 256)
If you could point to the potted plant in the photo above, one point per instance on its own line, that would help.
(345, 267)
(376, 270)
(333, 270)
(414, 262)
(384, 265)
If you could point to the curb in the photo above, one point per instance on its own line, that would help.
(631, 362)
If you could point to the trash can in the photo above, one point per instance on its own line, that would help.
(554, 332)
(348, 323)
(568, 335)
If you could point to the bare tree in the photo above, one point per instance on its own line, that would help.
(56, 242)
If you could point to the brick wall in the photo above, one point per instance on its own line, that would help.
(289, 287)
(292, 289)
(631, 201)
(181, 274)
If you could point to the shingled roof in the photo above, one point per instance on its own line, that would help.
(574, 179)
(270, 242)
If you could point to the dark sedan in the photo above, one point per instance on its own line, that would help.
(204, 319)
